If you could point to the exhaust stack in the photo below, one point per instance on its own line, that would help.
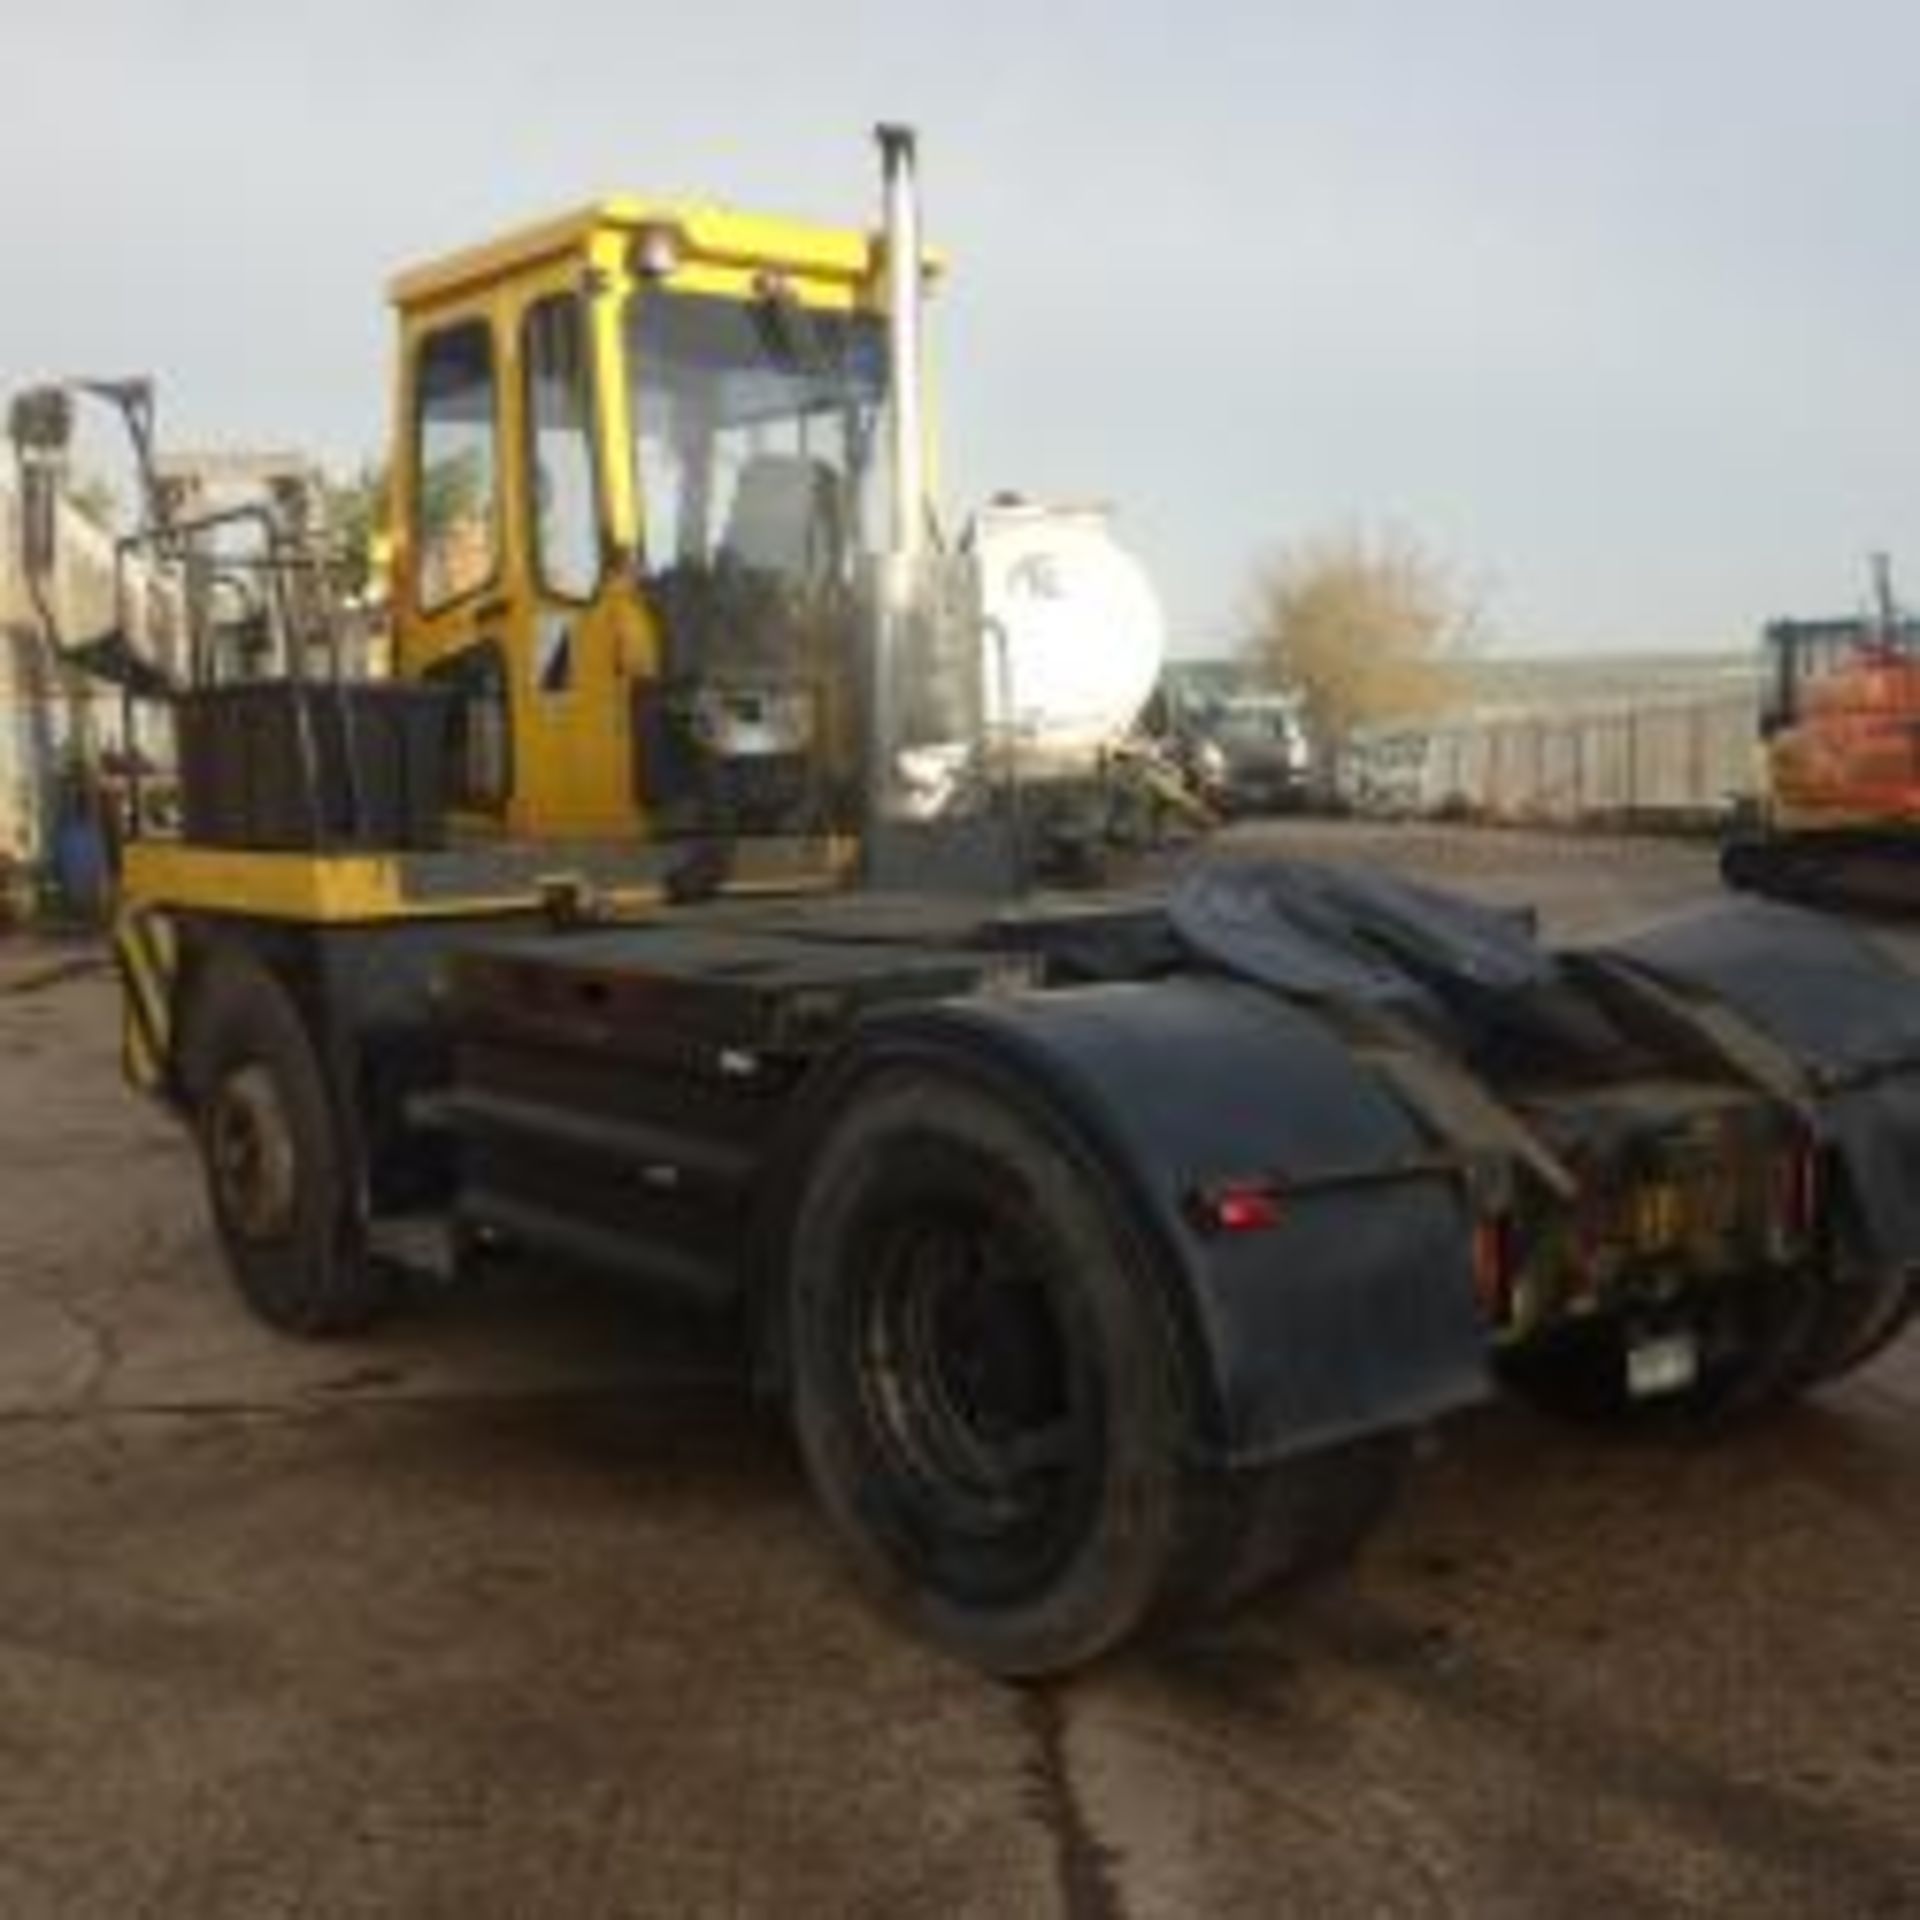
(901, 201)
(898, 610)
(924, 829)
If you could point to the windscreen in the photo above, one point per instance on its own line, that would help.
(756, 426)
(756, 429)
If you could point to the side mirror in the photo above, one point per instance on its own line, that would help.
(40, 424)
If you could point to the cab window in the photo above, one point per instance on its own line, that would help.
(566, 514)
(456, 495)
(756, 428)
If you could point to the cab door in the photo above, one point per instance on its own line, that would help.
(570, 619)
(452, 585)
(509, 591)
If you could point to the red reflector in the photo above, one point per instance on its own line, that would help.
(1238, 1206)
(1493, 1265)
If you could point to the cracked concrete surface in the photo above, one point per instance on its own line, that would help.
(520, 1607)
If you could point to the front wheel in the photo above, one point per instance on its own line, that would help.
(278, 1173)
(993, 1401)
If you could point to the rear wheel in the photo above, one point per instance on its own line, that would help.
(1283, 1525)
(1901, 1313)
(992, 1401)
(279, 1176)
(1864, 1308)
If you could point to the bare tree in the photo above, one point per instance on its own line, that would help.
(1362, 628)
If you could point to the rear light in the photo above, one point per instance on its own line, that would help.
(1493, 1265)
(1236, 1206)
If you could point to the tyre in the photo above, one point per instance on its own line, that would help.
(1283, 1525)
(1901, 1312)
(1863, 1311)
(992, 1401)
(1864, 1302)
(1754, 1340)
(280, 1180)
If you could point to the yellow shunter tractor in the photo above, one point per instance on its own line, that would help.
(665, 912)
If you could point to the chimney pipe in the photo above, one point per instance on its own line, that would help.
(900, 583)
(899, 175)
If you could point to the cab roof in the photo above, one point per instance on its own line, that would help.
(717, 235)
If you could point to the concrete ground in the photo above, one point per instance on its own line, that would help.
(521, 1608)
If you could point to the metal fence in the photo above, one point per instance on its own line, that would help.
(1675, 760)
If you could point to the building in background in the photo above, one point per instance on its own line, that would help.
(64, 736)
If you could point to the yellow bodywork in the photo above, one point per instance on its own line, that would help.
(329, 889)
(572, 754)
(831, 265)
(341, 889)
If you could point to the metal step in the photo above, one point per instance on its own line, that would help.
(662, 1154)
(707, 1279)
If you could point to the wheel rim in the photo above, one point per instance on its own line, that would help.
(251, 1155)
(980, 1408)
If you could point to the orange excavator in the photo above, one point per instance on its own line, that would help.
(1839, 819)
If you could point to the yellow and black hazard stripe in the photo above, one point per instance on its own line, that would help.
(146, 946)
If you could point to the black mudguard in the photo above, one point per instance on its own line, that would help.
(1356, 1311)
(1845, 1014)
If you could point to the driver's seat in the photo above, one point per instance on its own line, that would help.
(787, 518)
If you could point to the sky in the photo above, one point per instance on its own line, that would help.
(1614, 308)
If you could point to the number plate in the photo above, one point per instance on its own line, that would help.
(1669, 1364)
